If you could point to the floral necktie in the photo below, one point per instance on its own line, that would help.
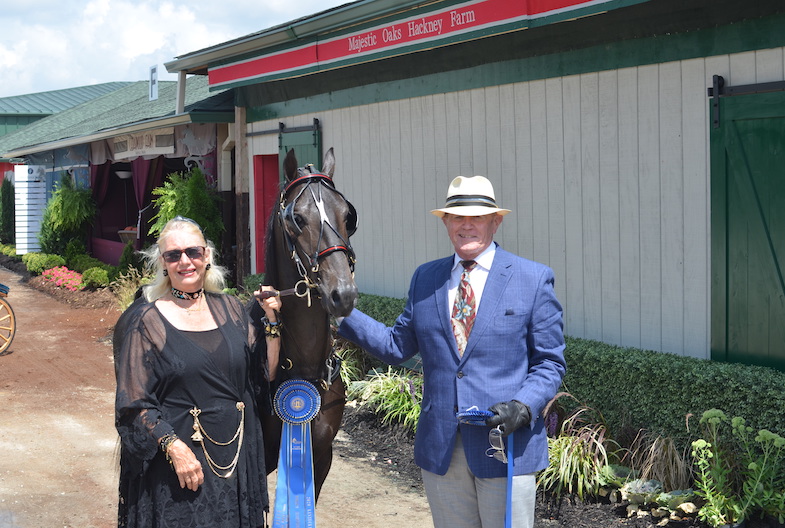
(464, 309)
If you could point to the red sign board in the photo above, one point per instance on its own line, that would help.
(458, 22)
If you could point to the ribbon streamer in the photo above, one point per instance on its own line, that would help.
(296, 402)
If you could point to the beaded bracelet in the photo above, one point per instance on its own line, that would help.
(271, 329)
(166, 442)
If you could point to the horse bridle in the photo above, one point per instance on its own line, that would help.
(307, 176)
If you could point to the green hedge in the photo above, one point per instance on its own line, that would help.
(637, 389)
(383, 309)
(657, 391)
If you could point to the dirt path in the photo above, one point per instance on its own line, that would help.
(57, 439)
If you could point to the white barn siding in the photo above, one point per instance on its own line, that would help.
(607, 174)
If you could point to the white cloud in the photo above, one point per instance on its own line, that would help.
(51, 45)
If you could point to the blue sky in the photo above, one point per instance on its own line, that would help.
(55, 44)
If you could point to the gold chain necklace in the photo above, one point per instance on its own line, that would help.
(197, 306)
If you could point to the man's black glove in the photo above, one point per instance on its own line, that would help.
(509, 416)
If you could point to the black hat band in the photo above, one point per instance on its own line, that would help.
(462, 200)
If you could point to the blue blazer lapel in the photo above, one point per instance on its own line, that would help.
(441, 293)
(498, 277)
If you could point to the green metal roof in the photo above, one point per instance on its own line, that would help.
(47, 103)
(122, 111)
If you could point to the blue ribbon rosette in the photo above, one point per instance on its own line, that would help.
(296, 403)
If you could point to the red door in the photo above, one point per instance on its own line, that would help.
(266, 189)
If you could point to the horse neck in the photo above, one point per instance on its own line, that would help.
(307, 336)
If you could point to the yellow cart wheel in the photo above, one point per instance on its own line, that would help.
(7, 325)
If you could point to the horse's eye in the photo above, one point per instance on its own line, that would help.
(294, 221)
(299, 221)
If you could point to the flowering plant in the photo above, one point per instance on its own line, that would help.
(63, 278)
(739, 476)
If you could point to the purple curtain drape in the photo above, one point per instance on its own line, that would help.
(99, 181)
(141, 175)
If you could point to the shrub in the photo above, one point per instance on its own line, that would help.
(83, 262)
(36, 263)
(251, 282)
(94, 278)
(130, 258)
(74, 249)
(7, 213)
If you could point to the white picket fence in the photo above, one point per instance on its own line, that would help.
(29, 204)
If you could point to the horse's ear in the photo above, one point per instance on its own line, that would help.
(290, 165)
(328, 164)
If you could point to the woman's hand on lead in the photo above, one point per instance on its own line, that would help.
(270, 305)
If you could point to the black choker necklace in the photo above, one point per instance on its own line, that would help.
(180, 294)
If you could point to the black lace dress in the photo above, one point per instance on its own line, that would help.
(162, 374)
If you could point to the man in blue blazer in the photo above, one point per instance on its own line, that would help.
(511, 364)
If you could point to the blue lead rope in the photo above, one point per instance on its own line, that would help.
(474, 416)
(508, 514)
(296, 403)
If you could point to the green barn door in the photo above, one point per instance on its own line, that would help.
(748, 230)
(306, 142)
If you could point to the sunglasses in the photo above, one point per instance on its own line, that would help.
(193, 253)
(497, 445)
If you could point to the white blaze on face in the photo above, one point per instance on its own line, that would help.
(320, 207)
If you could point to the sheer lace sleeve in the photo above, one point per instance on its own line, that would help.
(138, 341)
(260, 374)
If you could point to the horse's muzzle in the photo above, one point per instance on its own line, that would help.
(340, 300)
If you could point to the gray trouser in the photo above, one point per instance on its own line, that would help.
(461, 500)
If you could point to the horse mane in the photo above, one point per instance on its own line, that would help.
(270, 261)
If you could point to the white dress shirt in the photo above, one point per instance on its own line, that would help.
(477, 276)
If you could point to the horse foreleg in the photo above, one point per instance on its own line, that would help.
(324, 428)
(271, 431)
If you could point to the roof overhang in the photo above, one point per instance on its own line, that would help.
(140, 126)
(197, 62)
(370, 30)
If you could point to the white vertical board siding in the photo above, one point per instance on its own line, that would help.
(590, 197)
(29, 205)
(607, 175)
(696, 121)
(672, 193)
(567, 144)
(610, 220)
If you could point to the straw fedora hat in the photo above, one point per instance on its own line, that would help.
(470, 197)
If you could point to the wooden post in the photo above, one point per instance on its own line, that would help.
(241, 192)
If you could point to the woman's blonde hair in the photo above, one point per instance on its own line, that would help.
(214, 276)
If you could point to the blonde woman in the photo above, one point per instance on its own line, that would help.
(191, 442)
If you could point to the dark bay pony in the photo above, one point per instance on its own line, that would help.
(307, 248)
